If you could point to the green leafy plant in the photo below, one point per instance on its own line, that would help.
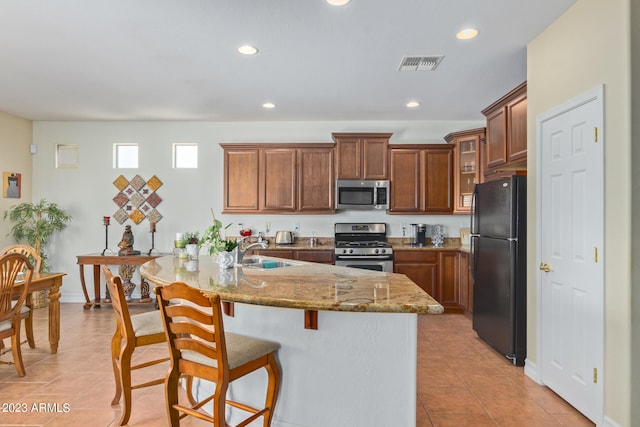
(35, 223)
(191, 238)
(213, 240)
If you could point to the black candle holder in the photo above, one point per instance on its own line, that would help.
(153, 244)
(106, 239)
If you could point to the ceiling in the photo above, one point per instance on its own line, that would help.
(178, 60)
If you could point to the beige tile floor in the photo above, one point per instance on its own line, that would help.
(461, 381)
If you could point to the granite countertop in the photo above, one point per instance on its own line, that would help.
(398, 243)
(304, 285)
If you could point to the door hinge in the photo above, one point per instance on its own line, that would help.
(595, 375)
(595, 254)
(595, 134)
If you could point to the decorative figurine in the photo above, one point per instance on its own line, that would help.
(126, 244)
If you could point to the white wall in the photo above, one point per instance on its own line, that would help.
(635, 212)
(188, 194)
(587, 46)
(15, 137)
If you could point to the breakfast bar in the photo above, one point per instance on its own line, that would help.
(357, 368)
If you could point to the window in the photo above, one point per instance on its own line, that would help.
(185, 155)
(125, 156)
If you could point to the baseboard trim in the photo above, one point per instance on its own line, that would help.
(608, 422)
(531, 370)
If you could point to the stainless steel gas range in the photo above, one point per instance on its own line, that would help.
(363, 245)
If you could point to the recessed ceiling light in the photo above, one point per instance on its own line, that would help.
(268, 105)
(467, 33)
(248, 50)
(338, 2)
(413, 104)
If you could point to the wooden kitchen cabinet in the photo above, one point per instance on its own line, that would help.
(436, 272)
(288, 254)
(505, 150)
(241, 181)
(421, 267)
(362, 155)
(278, 178)
(421, 179)
(315, 180)
(466, 166)
(322, 256)
(466, 283)
(449, 281)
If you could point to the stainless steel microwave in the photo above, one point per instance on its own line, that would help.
(362, 195)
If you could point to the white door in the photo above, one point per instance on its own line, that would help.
(570, 249)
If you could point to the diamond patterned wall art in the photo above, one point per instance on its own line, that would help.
(137, 199)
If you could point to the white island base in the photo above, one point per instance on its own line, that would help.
(358, 369)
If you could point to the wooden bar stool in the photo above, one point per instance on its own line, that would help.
(131, 332)
(200, 348)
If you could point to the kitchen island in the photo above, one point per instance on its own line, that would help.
(358, 368)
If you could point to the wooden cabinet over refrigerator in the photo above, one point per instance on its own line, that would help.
(505, 151)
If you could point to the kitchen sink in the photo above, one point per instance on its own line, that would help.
(266, 263)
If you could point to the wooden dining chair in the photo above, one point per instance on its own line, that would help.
(11, 310)
(131, 332)
(200, 348)
(36, 260)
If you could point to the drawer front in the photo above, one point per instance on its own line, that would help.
(430, 257)
(320, 256)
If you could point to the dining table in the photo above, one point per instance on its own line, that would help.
(51, 282)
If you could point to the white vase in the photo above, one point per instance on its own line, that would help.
(192, 251)
(226, 259)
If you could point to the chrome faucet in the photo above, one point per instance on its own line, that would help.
(241, 252)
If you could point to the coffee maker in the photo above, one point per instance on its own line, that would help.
(418, 235)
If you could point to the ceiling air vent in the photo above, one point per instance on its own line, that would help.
(420, 63)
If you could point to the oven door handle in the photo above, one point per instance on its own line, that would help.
(363, 257)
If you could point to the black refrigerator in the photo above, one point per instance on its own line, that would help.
(498, 262)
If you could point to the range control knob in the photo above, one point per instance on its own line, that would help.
(377, 251)
(383, 251)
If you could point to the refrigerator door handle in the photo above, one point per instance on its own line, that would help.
(473, 254)
(474, 213)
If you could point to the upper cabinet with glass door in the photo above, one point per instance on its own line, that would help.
(467, 165)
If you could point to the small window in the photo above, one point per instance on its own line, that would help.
(125, 156)
(185, 155)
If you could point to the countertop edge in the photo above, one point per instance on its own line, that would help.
(366, 307)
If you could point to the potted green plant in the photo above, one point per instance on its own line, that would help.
(216, 244)
(35, 223)
(191, 242)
